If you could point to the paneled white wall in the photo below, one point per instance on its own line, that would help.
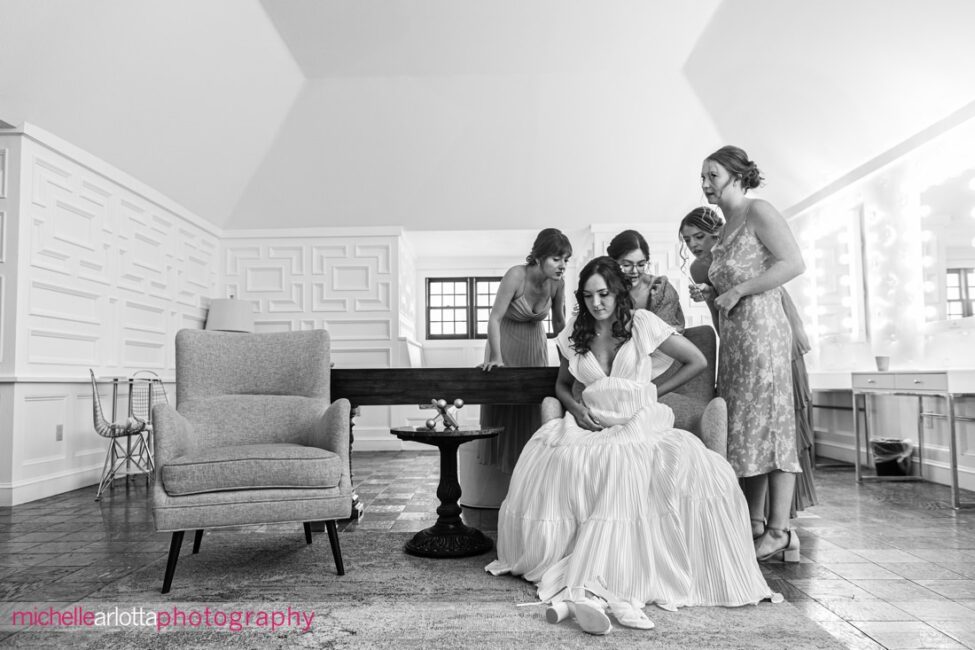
(348, 281)
(98, 271)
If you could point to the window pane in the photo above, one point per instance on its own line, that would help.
(954, 293)
(448, 328)
(436, 301)
(954, 310)
(953, 279)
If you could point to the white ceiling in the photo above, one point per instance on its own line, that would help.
(473, 114)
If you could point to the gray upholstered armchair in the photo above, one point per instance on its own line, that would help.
(696, 409)
(253, 439)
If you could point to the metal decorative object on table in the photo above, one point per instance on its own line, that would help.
(449, 537)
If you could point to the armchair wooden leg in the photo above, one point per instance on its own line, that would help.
(174, 547)
(333, 539)
(308, 532)
(197, 538)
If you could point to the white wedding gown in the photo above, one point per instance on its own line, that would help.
(642, 505)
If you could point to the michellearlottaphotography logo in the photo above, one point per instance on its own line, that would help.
(162, 619)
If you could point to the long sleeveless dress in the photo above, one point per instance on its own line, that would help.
(486, 470)
(754, 362)
(642, 505)
(805, 493)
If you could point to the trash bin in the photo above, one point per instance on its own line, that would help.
(892, 456)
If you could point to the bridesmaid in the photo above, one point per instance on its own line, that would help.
(755, 255)
(699, 231)
(516, 338)
(654, 293)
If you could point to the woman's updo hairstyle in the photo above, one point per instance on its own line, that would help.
(626, 241)
(736, 161)
(704, 219)
(549, 243)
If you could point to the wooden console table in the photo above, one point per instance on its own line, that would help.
(391, 386)
(946, 384)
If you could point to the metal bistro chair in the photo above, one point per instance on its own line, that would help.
(121, 450)
(146, 390)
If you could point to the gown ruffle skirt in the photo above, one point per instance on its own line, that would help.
(643, 506)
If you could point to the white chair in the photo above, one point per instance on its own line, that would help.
(127, 442)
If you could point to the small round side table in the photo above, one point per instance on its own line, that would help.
(449, 537)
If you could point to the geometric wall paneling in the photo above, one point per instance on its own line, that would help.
(63, 303)
(273, 325)
(295, 303)
(363, 330)
(47, 177)
(379, 300)
(3, 236)
(380, 253)
(45, 413)
(320, 255)
(194, 262)
(350, 277)
(293, 253)
(144, 353)
(237, 254)
(46, 346)
(361, 357)
(264, 278)
(320, 303)
(3, 173)
(143, 317)
(4, 311)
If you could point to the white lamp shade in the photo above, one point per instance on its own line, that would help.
(230, 315)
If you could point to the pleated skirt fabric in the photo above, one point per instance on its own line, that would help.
(648, 509)
(805, 494)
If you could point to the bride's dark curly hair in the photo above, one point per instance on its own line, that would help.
(584, 330)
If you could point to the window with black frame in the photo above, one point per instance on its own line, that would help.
(960, 286)
(459, 307)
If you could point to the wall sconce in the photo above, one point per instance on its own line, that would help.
(230, 315)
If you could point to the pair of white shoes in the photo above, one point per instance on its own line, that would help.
(590, 613)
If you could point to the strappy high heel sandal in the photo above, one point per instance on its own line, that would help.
(787, 553)
(758, 527)
(625, 612)
(587, 612)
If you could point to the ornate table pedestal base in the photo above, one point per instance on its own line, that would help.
(449, 537)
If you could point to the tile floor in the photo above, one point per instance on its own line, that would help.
(884, 565)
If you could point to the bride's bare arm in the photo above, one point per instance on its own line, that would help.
(692, 362)
(563, 390)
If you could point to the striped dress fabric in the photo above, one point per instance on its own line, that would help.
(642, 505)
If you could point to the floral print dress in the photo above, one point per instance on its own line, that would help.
(754, 362)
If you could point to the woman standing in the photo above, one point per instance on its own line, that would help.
(516, 338)
(755, 255)
(699, 231)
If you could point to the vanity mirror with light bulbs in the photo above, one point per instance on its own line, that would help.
(947, 216)
(890, 257)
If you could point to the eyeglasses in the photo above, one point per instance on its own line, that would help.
(626, 267)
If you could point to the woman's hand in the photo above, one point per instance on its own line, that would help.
(487, 365)
(702, 292)
(727, 301)
(585, 419)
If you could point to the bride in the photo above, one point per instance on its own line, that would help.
(611, 499)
